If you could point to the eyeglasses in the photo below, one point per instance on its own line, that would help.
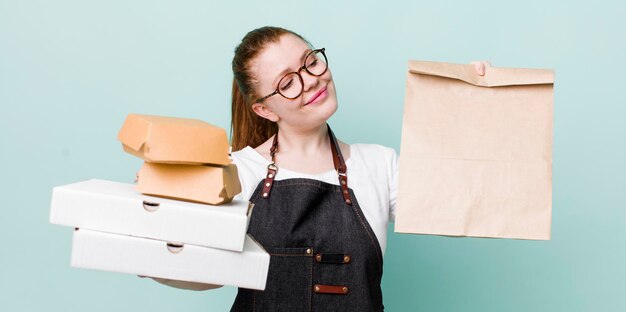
(292, 85)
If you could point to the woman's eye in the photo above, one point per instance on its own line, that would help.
(313, 63)
(286, 85)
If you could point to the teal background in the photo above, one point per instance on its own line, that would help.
(70, 71)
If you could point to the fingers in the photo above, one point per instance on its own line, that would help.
(480, 66)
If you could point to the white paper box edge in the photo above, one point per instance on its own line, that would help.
(117, 208)
(148, 257)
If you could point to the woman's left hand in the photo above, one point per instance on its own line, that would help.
(480, 66)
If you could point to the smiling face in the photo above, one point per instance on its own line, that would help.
(318, 100)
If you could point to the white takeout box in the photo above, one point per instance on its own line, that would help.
(155, 258)
(118, 208)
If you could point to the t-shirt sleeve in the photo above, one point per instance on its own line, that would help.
(242, 180)
(247, 177)
(239, 196)
(393, 184)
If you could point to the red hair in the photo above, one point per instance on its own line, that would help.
(247, 128)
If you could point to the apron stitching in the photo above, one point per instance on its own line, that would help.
(254, 291)
(368, 235)
(278, 183)
(311, 286)
(329, 187)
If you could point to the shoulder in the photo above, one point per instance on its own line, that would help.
(373, 154)
(373, 160)
(250, 164)
(251, 168)
(247, 155)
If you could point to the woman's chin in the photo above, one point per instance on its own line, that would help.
(327, 106)
(314, 117)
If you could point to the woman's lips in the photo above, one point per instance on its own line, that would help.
(317, 96)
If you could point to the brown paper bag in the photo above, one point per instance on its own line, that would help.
(476, 152)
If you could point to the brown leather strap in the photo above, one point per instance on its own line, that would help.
(340, 165)
(338, 162)
(271, 169)
(330, 289)
(274, 147)
(269, 180)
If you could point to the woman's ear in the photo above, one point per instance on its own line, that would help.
(263, 111)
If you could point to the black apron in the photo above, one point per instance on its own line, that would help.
(324, 255)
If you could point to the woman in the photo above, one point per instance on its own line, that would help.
(310, 191)
(321, 206)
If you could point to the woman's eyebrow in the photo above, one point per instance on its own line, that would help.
(286, 70)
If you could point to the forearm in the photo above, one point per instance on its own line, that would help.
(185, 285)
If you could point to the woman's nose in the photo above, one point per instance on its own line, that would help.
(310, 81)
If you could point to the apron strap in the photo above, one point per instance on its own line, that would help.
(338, 162)
(271, 169)
(340, 166)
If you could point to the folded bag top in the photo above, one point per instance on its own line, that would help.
(496, 77)
(174, 140)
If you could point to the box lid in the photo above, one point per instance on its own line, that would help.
(174, 140)
(118, 208)
(155, 258)
(205, 184)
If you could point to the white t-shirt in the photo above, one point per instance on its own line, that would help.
(372, 172)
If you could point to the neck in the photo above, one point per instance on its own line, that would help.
(303, 142)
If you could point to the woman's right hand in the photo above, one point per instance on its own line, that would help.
(183, 284)
(480, 66)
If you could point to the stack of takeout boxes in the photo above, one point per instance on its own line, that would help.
(178, 222)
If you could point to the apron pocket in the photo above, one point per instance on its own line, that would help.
(289, 280)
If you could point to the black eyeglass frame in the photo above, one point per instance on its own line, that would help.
(277, 91)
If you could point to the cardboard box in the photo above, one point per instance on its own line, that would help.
(155, 258)
(476, 152)
(118, 208)
(174, 140)
(206, 184)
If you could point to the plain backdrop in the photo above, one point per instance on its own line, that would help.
(70, 72)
